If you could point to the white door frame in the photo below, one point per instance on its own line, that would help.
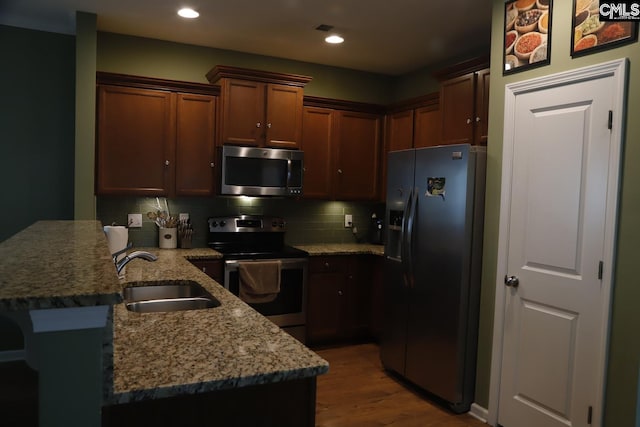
(616, 69)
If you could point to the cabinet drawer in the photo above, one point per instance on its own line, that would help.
(328, 264)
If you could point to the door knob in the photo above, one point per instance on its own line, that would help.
(511, 281)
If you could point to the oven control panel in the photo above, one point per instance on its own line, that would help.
(246, 224)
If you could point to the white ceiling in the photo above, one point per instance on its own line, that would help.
(381, 36)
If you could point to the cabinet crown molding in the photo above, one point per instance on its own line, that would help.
(462, 68)
(225, 71)
(141, 82)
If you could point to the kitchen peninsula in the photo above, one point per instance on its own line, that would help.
(229, 361)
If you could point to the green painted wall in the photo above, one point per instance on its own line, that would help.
(155, 58)
(36, 142)
(36, 127)
(621, 390)
(85, 71)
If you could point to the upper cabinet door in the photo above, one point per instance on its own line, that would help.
(317, 143)
(259, 108)
(482, 107)
(195, 145)
(357, 156)
(284, 116)
(457, 109)
(135, 143)
(400, 130)
(426, 131)
(243, 112)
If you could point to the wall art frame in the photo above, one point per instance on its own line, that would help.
(527, 34)
(592, 34)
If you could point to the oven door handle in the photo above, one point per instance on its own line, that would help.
(287, 263)
(231, 265)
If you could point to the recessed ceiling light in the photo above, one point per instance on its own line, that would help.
(188, 13)
(334, 39)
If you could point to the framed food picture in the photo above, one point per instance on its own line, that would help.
(593, 32)
(527, 34)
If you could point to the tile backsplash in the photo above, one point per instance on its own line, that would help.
(308, 221)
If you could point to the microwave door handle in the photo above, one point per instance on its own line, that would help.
(288, 173)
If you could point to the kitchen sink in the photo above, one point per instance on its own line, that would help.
(167, 295)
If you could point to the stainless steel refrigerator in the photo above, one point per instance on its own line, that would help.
(433, 251)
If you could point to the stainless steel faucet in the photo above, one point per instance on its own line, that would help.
(147, 256)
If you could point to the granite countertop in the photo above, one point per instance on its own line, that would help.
(158, 355)
(54, 264)
(342, 249)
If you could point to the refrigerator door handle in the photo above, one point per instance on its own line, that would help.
(409, 239)
(403, 241)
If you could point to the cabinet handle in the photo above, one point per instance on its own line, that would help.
(326, 265)
(339, 170)
(213, 165)
(477, 119)
(166, 162)
(258, 125)
(269, 125)
(340, 293)
(468, 121)
(204, 269)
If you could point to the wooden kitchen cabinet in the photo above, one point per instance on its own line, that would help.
(357, 156)
(339, 299)
(342, 154)
(154, 138)
(317, 144)
(213, 268)
(415, 124)
(411, 124)
(195, 145)
(426, 129)
(482, 107)
(259, 108)
(135, 140)
(463, 105)
(400, 130)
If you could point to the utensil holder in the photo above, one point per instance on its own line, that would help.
(185, 241)
(167, 238)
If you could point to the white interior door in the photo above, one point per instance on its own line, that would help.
(557, 244)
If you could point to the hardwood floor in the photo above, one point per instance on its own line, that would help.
(357, 392)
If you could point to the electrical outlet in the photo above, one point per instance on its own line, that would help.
(348, 220)
(183, 217)
(134, 220)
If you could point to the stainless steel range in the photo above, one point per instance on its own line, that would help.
(251, 242)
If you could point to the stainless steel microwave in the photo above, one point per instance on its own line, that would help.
(254, 171)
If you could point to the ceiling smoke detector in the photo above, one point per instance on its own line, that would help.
(324, 27)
